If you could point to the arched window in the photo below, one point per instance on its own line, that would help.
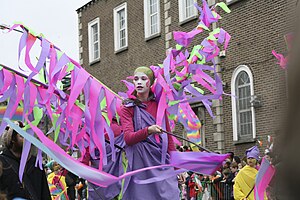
(243, 115)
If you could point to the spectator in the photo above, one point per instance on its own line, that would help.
(227, 175)
(181, 184)
(231, 157)
(202, 185)
(236, 159)
(227, 164)
(81, 188)
(194, 187)
(268, 156)
(187, 180)
(34, 184)
(216, 190)
(186, 148)
(245, 179)
(199, 189)
(57, 182)
(71, 180)
(228, 184)
(234, 168)
(2, 195)
(240, 166)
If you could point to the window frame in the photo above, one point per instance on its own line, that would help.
(147, 20)
(91, 44)
(182, 12)
(236, 135)
(117, 44)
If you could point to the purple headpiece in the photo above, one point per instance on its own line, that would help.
(253, 152)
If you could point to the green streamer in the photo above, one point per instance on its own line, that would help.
(223, 6)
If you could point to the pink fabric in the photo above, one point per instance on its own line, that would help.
(117, 130)
(186, 160)
(263, 178)
(132, 137)
(282, 61)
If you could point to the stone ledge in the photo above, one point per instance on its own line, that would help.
(188, 20)
(152, 37)
(244, 141)
(121, 50)
(94, 62)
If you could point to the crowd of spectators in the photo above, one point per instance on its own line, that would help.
(220, 185)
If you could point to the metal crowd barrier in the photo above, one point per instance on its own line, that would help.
(216, 191)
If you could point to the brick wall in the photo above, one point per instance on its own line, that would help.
(257, 27)
(115, 67)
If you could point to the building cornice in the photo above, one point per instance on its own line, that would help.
(86, 5)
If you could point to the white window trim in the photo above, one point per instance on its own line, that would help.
(147, 24)
(181, 7)
(91, 47)
(116, 34)
(233, 101)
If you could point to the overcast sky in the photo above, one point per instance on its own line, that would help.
(56, 19)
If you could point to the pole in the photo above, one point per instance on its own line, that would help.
(117, 146)
(182, 138)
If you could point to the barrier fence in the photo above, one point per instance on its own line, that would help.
(215, 191)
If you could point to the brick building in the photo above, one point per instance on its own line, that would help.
(117, 36)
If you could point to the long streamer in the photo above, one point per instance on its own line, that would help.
(74, 122)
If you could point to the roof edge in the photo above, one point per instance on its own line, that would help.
(85, 5)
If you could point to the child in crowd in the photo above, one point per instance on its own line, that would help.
(181, 185)
(194, 186)
(234, 169)
(228, 184)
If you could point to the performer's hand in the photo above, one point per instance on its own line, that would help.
(154, 129)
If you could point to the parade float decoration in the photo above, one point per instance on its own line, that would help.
(183, 78)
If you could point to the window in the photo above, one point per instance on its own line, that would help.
(242, 112)
(187, 10)
(94, 40)
(120, 27)
(152, 17)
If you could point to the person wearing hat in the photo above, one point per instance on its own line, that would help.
(34, 183)
(138, 119)
(57, 181)
(243, 187)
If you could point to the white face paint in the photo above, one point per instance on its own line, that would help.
(141, 83)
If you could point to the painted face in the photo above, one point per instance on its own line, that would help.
(141, 83)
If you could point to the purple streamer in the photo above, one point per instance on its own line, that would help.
(42, 58)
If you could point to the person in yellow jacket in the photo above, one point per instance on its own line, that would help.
(56, 182)
(243, 188)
